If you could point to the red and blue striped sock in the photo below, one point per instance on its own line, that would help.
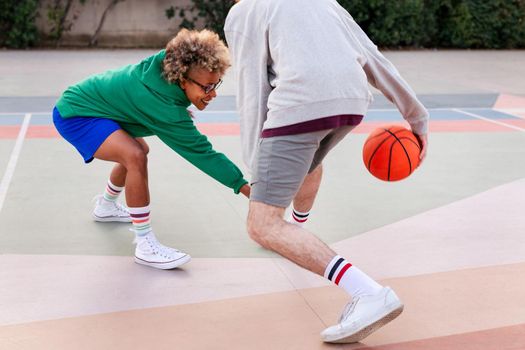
(350, 278)
(299, 217)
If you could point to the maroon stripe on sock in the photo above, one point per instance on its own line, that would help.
(139, 215)
(342, 272)
(114, 190)
(110, 191)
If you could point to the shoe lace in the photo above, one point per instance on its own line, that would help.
(158, 248)
(122, 209)
(348, 309)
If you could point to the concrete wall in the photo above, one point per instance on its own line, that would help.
(131, 23)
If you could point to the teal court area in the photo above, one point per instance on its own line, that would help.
(449, 239)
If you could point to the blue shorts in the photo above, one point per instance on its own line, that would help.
(85, 133)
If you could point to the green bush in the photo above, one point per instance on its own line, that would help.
(442, 23)
(497, 23)
(393, 23)
(17, 23)
(212, 13)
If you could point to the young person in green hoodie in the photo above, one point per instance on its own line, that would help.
(106, 116)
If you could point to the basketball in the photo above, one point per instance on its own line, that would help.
(391, 153)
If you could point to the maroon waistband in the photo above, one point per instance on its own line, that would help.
(314, 125)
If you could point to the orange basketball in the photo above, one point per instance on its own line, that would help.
(391, 153)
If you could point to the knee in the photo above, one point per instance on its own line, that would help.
(144, 145)
(260, 231)
(136, 159)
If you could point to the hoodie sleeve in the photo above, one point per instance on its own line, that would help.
(250, 56)
(184, 138)
(383, 75)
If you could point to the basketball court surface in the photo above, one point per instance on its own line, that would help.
(450, 239)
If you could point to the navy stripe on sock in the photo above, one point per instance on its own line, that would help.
(300, 215)
(334, 268)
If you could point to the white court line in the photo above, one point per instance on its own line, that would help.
(489, 120)
(502, 110)
(22, 113)
(11, 165)
(512, 111)
(234, 111)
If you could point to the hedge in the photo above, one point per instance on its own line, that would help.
(17, 23)
(483, 24)
(487, 24)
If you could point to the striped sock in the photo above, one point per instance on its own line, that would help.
(299, 218)
(350, 278)
(141, 221)
(112, 192)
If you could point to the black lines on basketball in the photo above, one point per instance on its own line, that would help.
(391, 153)
(404, 150)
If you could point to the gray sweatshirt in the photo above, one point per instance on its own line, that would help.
(300, 60)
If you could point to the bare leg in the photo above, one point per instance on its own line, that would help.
(118, 175)
(305, 197)
(130, 155)
(267, 227)
(119, 172)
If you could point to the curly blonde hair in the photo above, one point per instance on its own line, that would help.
(192, 48)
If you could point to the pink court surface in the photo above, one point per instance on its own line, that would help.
(450, 239)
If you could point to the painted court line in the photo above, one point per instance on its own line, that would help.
(11, 165)
(488, 119)
(369, 110)
(21, 113)
(515, 112)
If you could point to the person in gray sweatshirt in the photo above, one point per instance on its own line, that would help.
(302, 69)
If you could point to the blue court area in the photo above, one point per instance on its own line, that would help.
(373, 115)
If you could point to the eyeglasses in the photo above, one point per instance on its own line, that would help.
(206, 88)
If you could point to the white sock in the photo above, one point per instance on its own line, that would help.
(141, 220)
(354, 281)
(298, 218)
(111, 193)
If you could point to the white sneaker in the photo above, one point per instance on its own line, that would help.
(110, 211)
(364, 315)
(151, 253)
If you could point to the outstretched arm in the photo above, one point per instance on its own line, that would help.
(183, 137)
(383, 75)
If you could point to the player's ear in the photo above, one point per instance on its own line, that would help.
(182, 83)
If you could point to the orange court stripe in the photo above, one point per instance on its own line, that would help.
(233, 129)
(9, 132)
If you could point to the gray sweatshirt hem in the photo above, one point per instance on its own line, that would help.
(316, 110)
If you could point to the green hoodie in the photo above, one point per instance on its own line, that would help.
(144, 104)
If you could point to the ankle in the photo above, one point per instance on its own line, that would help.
(107, 202)
(299, 217)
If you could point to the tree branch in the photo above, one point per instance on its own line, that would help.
(94, 38)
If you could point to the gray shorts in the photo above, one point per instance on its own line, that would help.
(282, 162)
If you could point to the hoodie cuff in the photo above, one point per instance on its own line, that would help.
(238, 185)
